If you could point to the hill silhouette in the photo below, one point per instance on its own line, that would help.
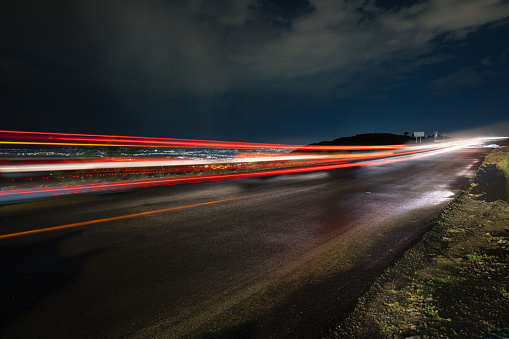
(369, 139)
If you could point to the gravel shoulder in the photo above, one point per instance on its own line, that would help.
(453, 284)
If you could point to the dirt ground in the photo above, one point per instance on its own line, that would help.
(453, 284)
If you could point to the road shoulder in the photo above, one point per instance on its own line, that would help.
(453, 283)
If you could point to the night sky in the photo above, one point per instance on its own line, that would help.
(286, 71)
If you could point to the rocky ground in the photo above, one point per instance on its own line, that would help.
(453, 284)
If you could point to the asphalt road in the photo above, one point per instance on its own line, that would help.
(281, 257)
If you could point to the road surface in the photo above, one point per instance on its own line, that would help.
(283, 256)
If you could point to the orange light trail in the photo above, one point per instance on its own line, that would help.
(69, 139)
(215, 177)
(254, 164)
(73, 164)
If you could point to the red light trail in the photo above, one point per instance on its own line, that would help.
(69, 139)
(297, 159)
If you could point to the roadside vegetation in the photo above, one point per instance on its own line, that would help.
(453, 284)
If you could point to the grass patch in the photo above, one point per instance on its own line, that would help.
(479, 256)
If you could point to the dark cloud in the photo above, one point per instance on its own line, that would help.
(504, 56)
(464, 77)
(396, 4)
(281, 12)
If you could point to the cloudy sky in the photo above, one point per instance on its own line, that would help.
(291, 71)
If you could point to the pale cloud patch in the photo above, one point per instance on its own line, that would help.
(339, 41)
(456, 15)
(201, 47)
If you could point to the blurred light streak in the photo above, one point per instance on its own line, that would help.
(69, 165)
(254, 164)
(68, 139)
(110, 163)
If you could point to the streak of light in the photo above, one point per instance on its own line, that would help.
(217, 177)
(69, 139)
(115, 163)
(291, 163)
(69, 165)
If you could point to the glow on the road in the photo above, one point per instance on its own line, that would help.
(90, 222)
